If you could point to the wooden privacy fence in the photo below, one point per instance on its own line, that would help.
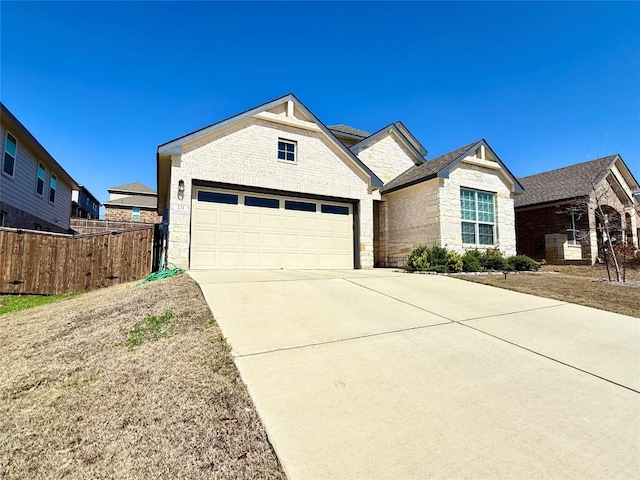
(49, 263)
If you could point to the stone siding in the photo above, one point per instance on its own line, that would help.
(387, 158)
(123, 214)
(429, 214)
(245, 153)
(476, 177)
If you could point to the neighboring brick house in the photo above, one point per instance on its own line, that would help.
(556, 217)
(35, 191)
(274, 187)
(132, 202)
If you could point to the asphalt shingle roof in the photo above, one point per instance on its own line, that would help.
(427, 170)
(563, 183)
(350, 130)
(134, 201)
(133, 187)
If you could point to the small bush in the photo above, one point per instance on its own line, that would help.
(522, 263)
(472, 261)
(419, 260)
(435, 259)
(492, 259)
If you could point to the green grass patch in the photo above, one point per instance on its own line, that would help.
(15, 303)
(151, 328)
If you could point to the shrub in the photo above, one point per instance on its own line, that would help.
(419, 260)
(522, 263)
(472, 261)
(492, 259)
(435, 259)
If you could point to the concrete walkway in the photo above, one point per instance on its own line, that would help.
(384, 375)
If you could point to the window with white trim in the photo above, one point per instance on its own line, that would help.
(477, 212)
(572, 231)
(135, 214)
(53, 184)
(10, 153)
(286, 150)
(40, 179)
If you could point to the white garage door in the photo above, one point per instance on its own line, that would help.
(232, 229)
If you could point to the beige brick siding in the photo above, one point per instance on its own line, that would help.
(477, 178)
(246, 154)
(429, 214)
(387, 158)
(408, 218)
(121, 214)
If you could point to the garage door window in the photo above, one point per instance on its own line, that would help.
(334, 209)
(302, 206)
(262, 202)
(215, 197)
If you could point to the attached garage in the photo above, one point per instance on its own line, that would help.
(232, 229)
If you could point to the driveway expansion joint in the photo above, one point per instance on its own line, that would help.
(340, 340)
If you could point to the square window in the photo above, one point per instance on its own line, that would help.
(286, 150)
(10, 153)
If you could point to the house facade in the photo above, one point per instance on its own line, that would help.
(35, 191)
(560, 218)
(274, 187)
(132, 202)
(84, 204)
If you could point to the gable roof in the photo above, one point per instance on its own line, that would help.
(401, 132)
(441, 167)
(133, 187)
(352, 131)
(174, 147)
(564, 183)
(133, 201)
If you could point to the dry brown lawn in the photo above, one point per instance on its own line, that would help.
(575, 284)
(78, 403)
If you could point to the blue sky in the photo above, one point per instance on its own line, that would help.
(101, 85)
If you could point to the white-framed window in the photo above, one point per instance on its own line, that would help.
(287, 150)
(135, 214)
(477, 212)
(42, 171)
(53, 184)
(10, 154)
(572, 231)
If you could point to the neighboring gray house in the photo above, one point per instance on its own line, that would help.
(35, 191)
(273, 187)
(85, 204)
(556, 220)
(132, 202)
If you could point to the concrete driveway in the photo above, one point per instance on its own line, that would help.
(384, 375)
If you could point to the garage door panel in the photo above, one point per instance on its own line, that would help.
(269, 232)
(229, 219)
(228, 238)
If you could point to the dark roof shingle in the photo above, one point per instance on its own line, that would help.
(133, 187)
(427, 170)
(563, 183)
(348, 130)
(143, 201)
